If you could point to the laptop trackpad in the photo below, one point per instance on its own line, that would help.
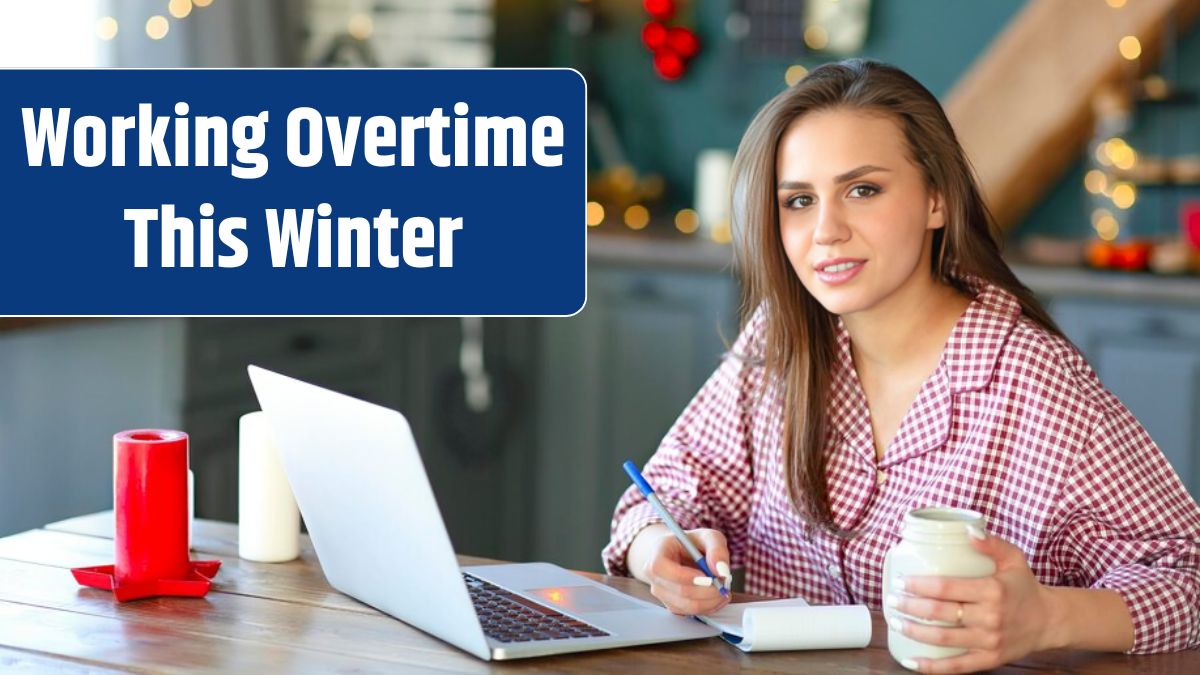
(582, 599)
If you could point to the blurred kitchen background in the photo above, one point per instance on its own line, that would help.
(1081, 116)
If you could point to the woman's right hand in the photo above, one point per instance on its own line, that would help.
(657, 558)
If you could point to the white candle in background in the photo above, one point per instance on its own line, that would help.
(713, 169)
(268, 520)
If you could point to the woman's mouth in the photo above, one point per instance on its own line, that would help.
(840, 272)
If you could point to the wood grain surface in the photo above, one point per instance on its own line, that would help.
(272, 618)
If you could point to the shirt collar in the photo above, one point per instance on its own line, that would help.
(974, 345)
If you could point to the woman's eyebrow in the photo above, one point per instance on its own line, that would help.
(843, 178)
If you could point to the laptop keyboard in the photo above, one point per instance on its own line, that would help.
(508, 617)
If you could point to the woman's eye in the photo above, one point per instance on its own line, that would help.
(863, 190)
(799, 201)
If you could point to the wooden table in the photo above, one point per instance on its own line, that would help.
(268, 618)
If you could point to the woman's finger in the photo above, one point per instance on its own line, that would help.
(952, 613)
(694, 590)
(969, 638)
(684, 579)
(697, 601)
(953, 589)
(687, 607)
(716, 551)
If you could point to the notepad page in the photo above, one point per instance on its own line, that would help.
(729, 619)
(792, 624)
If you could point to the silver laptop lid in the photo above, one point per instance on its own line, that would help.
(368, 506)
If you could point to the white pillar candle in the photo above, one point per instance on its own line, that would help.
(713, 169)
(268, 520)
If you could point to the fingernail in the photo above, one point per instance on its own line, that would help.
(723, 569)
(909, 663)
(895, 624)
(702, 581)
(976, 532)
(898, 584)
(893, 601)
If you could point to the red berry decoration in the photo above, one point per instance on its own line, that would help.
(672, 46)
(683, 41)
(654, 35)
(668, 64)
(662, 10)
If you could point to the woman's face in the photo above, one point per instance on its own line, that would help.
(855, 216)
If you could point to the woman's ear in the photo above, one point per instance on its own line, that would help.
(937, 211)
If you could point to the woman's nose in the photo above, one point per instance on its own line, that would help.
(831, 228)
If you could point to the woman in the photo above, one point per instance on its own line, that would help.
(893, 361)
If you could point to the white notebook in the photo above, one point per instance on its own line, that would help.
(777, 625)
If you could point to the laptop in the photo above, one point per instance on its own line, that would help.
(370, 511)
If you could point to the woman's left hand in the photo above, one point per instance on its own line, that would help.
(999, 618)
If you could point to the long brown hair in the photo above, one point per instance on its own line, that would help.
(799, 350)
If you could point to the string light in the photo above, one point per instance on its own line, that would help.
(816, 37)
(1155, 87)
(794, 74)
(1123, 195)
(1116, 4)
(361, 26)
(157, 27)
(1107, 228)
(179, 8)
(637, 217)
(106, 28)
(1130, 47)
(687, 221)
(1116, 152)
(1095, 181)
(1125, 159)
(595, 214)
(722, 233)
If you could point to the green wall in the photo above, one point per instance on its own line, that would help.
(663, 125)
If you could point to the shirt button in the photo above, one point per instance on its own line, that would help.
(880, 476)
(834, 571)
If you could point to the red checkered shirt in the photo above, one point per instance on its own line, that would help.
(1013, 423)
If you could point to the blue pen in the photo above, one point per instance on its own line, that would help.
(636, 476)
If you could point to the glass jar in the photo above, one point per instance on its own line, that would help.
(934, 542)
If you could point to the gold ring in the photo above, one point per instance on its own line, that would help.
(958, 619)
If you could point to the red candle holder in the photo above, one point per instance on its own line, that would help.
(150, 505)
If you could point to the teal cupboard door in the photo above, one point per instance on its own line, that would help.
(1148, 354)
(1158, 379)
(612, 381)
(479, 460)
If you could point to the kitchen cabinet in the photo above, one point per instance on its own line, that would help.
(1148, 354)
(612, 381)
(478, 463)
(343, 354)
(65, 389)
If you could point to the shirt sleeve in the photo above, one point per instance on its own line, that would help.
(702, 469)
(1132, 527)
